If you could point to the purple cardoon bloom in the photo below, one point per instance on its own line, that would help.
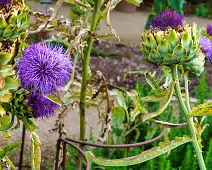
(4, 3)
(44, 68)
(206, 47)
(41, 106)
(168, 18)
(209, 30)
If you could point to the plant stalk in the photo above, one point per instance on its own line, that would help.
(187, 93)
(189, 120)
(85, 71)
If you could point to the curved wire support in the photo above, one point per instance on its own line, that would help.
(64, 154)
(119, 146)
(70, 142)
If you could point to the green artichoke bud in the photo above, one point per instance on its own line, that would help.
(18, 104)
(171, 46)
(196, 66)
(13, 21)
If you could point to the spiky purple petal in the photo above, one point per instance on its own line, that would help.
(209, 30)
(44, 68)
(168, 18)
(4, 3)
(41, 106)
(206, 45)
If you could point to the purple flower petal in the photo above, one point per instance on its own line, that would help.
(206, 45)
(41, 106)
(44, 68)
(168, 18)
(4, 3)
(209, 30)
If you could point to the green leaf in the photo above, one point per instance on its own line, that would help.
(36, 151)
(80, 4)
(173, 39)
(5, 57)
(4, 152)
(7, 136)
(186, 40)
(143, 157)
(6, 122)
(2, 111)
(54, 99)
(3, 92)
(11, 83)
(6, 70)
(180, 51)
(164, 47)
(151, 43)
(163, 108)
(30, 126)
(6, 98)
(118, 116)
(155, 87)
(134, 2)
(139, 109)
(3, 22)
(202, 110)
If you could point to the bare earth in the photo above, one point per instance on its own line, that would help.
(128, 27)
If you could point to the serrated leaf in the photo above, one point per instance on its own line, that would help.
(54, 99)
(143, 157)
(4, 152)
(163, 108)
(202, 110)
(155, 87)
(134, 2)
(11, 84)
(153, 98)
(139, 109)
(36, 151)
(30, 126)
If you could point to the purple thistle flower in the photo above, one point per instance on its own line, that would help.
(4, 3)
(168, 18)
(41, 106)
(206, 47)
(44, 68)
(209, 30)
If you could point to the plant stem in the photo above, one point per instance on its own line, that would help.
(189, 120)
(86, 62)
(187, 93)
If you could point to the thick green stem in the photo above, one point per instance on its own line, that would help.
(187, 93)
(189, 120)
(85, 70)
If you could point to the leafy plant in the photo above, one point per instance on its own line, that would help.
(204, 10)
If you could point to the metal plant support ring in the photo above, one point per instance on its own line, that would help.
(70, 142)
